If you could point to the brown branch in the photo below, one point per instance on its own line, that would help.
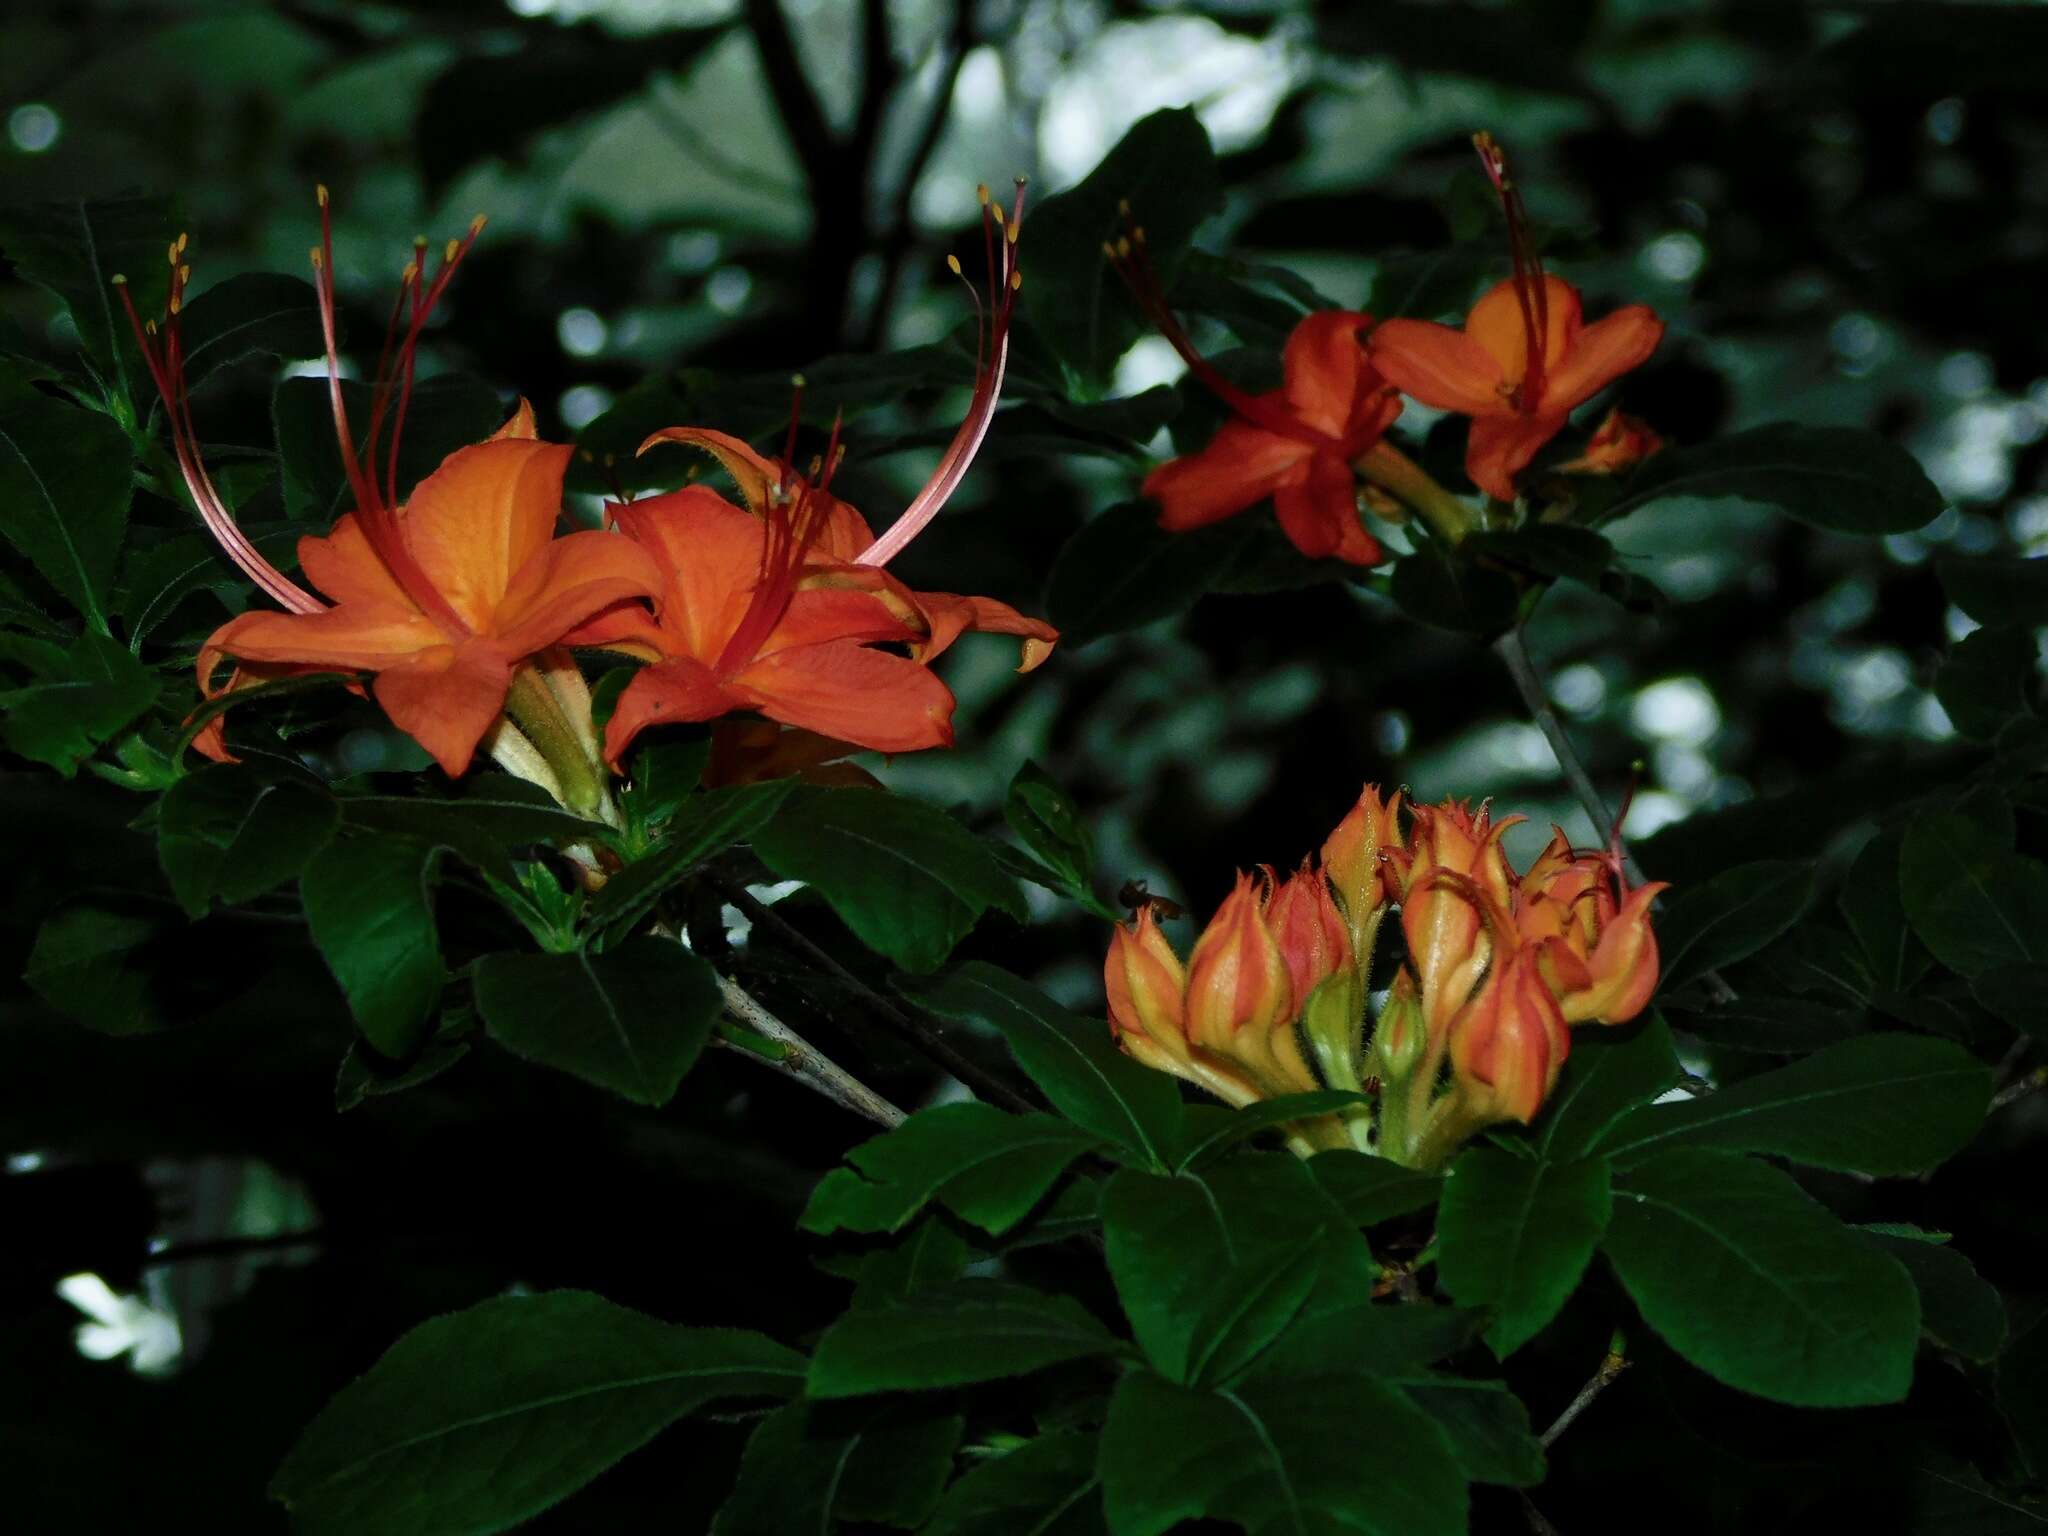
(801, 1060)
(1610, 1370)
(915, 1033)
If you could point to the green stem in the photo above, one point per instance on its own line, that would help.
(1384, 465)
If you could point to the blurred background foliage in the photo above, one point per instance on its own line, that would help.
(1841, 210)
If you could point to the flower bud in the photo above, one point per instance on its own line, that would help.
(1612, 983)
(1241, 1001)
(1455, 892)
(1147, 990)
(1398, 1035)
(1507, 1048)
(1353, 859)
(1617, 445)
(1312, 934)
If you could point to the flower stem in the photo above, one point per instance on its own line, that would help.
(537, 710)
(1387, 467)
(800, 1059)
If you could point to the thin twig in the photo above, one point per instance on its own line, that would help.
(804, 1061)
(1536, 699)
(1610, 1369)
(920, 1036)
(2013, 1092)
(1538, 1525)
(233, 1247)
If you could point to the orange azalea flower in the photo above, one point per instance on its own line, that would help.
(1617, 445)
(440, 596)
(1294, 444)
(1524, 359)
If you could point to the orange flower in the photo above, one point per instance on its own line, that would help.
(1524, 359)
(440, 596)
(1294, 445)
(1508, 1047)
(1617, 445)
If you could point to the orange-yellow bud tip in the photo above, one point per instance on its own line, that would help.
(320, 192)
(450, 251)
(953, 266)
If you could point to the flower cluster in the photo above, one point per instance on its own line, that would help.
(1524, 359)
(1499, 966)
(459, 598)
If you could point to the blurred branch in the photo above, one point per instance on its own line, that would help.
(913, 1032)
(700, 147)
(1610, 1371)
(803, 1061)
(1536, 699)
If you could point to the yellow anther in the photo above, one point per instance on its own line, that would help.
(981, 191)
(171, 253)
(176, 304)
(1016, 281)
(411, 273)
(996, 210)
(1109, 250)
(449, 251)
(316, 257)
(1123, 248)
(120, 278)
(953, 266)
(320, 191)
(1137, 234)
(184, 240)
(1123, 206)
(476, 225)
(797, 381)
(149, 326)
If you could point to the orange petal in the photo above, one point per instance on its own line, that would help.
(570, 579)
(343, 566)
(952, 615)
(628, 628)
(871, 698)
(1324, 361)
(355, 636)
(679, 690)
(754, 474)
(1501, 447)
(1319, 512)
(845, 533)
(521, 423)
(1496, 323)
(1240, 467)
(1601, 353)
(1438, 365)
(818, 614)
(445, 700)
(709, 554)
(482, 515)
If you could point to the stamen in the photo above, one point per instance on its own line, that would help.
(1532, 292)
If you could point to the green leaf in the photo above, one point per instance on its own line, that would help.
(1779, 1026)
(160, 579)
(66, 477)
(481, 1419)
(1959, 1309)
(1487, 1427)
(1121, 570)
(1040, 813)
(1876, 915)
(75, 700)
(1759, 1286)
(1072, 1059)
(809, 1463)
(908, 879)
(1315, 1454)
(84, 965)
(934, 1253)
(632, 1019)
(1998, 590)
(1976, 904)
(1553, 551)
(250, 313)
(1211, 1268)
(1988, 681)
(1389, 1340)
(2023, 1393)
(1045, 1487)
(1609, 1073)
(230, 832)
(1370, 1189)
(973, 1330)
(1516, 1235)
(665, 773)
(482, 827)
(2018, 994)
(1730, 917)
(1881, 1104)
(1842, 478)
(447, 412)
(1238, 1124)
(1074, 301)
(370, 905)
(986, 1166)
(1451, 592)
(75, 249)
(698, 827)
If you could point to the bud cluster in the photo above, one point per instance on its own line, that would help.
(1476, 1024)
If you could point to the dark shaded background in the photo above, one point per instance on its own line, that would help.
(1840, 210)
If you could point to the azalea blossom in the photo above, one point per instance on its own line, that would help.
(1295, 445)
(1524, 358)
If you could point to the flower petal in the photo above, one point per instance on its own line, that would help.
(482, 515)
(1319, 511)
(1496, 323)
(952, 615)
(355, 636)
(1501, 447)
(519, 424)
(347, 569)
(754, 474)
(871, 698)
(709, 555)
(680, 689)
(1240, 467)
(565, 583)
(819, 614)
(1438, 365)
(1601, 353)
(1324, 360)
(446, 699)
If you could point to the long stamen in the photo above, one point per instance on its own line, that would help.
(1006, 279)
(1531, 291)
(166, 370)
